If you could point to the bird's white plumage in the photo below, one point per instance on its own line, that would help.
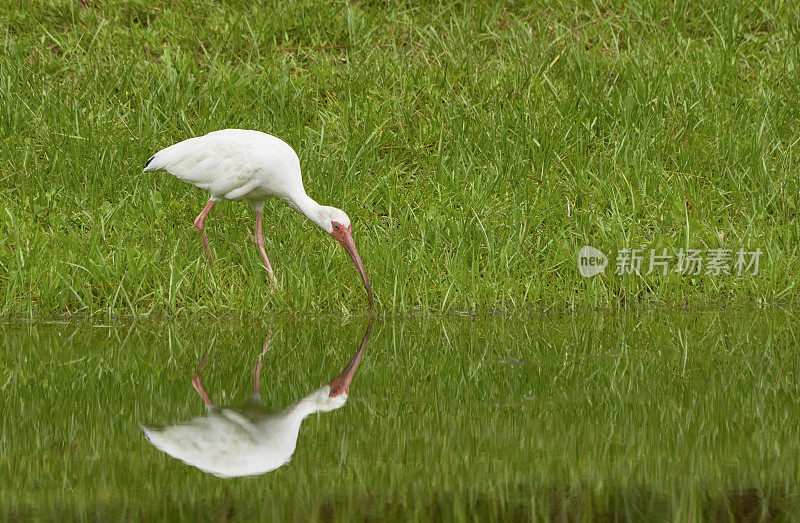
(235, 164)
(241, 441)
(240, 164)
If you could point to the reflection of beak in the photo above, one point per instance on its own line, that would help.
(346, 239)
(342, 382)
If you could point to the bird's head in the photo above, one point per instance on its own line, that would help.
(337, 224)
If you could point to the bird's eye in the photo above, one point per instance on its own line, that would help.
(336, 226)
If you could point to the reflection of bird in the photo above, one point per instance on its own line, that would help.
(234, 164)
(249, 439)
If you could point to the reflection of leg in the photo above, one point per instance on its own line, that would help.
(257, 370)
(197, 383)
(200, 226)
(260, 243)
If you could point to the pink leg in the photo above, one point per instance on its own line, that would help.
(200, 226)
(197, 383)
(257, 370)
(260, 243)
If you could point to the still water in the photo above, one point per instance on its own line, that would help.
(656, 414)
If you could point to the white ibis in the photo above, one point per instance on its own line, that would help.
(248, 439)
(236, 164)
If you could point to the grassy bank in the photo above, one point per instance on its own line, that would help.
(475, 149)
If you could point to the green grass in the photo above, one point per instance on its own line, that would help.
(642, 416)
(476, 148)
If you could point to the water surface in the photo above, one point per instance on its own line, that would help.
(658, 414)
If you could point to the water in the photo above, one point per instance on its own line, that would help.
(655, 415)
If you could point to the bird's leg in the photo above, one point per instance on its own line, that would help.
(200, 226)
(197, 383)
(257, 369)
(260, 243)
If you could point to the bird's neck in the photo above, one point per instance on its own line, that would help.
(316, 401)
(306, 206)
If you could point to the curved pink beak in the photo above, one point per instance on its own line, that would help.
(341, 383)
(345, 237)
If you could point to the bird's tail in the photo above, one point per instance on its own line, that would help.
(159, 161)
(149, 166)
(165, 158)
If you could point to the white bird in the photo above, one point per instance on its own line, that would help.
(236, 164)
(248, 439)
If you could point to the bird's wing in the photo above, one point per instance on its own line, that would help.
(202, 436)
(205, 161)
(229, 163)
(225, 443)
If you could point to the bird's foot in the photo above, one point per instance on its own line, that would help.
(273, 282)
(257, 369)
(206, 247)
